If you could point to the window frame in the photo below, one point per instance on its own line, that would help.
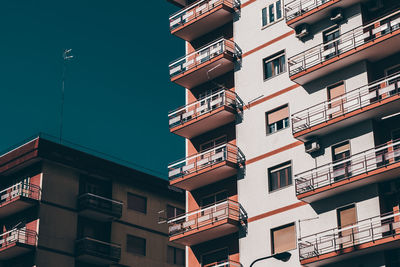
(273, 110)
(279, 167)
(271, 58)
(139, 196)
(279, 228)
(134, 253)
(213, 251)
(175, 211)
(268, 17)
(174, 260)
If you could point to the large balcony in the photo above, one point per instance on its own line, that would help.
(371, 166)
(206, 63)
(202, 17)
(17, 242)
(210, 222)
(375, 100)
(374, 41)
(227, 263)
(206, 114)
(100, 208)
(206, 167)
(374, 234)
(17, 198)
(97, 252)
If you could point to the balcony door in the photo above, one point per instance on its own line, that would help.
(330, 42)
(341, 167)
(336, 99)
(346, 217)
(215, 257)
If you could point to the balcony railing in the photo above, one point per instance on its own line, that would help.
(20, 189)
(297, 8)
(357, 164)
(226, 209)
(336, 239)
(206, 159)
(101, 204)
(196, 10)
(201, 107)
(97, 248)
(226, 263)
(344, 104)
(202, 55)
(344, 43)
(18, 236)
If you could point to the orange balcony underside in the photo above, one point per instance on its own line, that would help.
(373, 51)
(198, 75)
(379, 109)
(208, 232)
(15, 250)
(16, 205)
(386, 243)
(205, 23)
(205, 122)
(206, 176)
(380, 174)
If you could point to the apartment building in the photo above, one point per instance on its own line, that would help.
(292, 127)
(64, 206)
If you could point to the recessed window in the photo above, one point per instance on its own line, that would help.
(136, 245)
(274, 65)
(137, 203)
(271, 13)
(283, 238)
(173, 212)
(277, 119)
(280, 176)
(175, 256)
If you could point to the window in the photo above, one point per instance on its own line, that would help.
(175, 256)
(331, 47)
(341, 152)
(280, 176)
(212, 199)
(271, 13)
(136, 245)
(274, 65)
(213, 143)
(173, 212)
(210, 258)
(137, 203)
(277, 119)
(283, 238)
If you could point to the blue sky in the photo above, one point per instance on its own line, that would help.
(117, 93)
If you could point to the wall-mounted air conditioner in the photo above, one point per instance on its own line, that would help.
(302, 30)
(337, 15)
(312, 146)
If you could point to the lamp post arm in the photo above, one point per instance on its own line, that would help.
(260, 259)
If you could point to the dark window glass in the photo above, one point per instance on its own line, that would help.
(271, 13)
(136, 245)
(137, 203)
(278, 10)
(176, 256)
(264, 16)
(280, 176)
(274, 65)
(173, 212)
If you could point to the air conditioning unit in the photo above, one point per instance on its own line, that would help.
(302, 30)
(374, 5)
(311, 146)
(337, 15)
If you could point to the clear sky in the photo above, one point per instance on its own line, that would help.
(117, 92)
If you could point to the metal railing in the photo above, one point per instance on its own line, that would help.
(346, 103)
(20, 189)
(357, 164)
(202, 55)
(344, 43)
(201, 107)
(18, 235)
(102, 204)
(226, 263)
(297, 8)
(98, 248)
(225, 209)
(197, 9)
(205, 159)
(336, 239)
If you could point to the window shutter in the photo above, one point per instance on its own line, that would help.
(284, 239)
(278, 115)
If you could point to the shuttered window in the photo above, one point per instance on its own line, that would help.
(280, 176)
(277, 119)
(283, 238)
(136, 245)
(137, 203)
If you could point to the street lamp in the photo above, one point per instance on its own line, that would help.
(283, 256)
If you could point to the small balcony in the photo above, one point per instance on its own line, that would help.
(374, 234)
(206, 63)
(205, 168)
(210, 222)
(97, 252)
(375, 100)
(371, 166)
(204, 115)
(202, 17)
(18, 197)
(374, 41)
(227, 263)
(17, 242)
(99, 208)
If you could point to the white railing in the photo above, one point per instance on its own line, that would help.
(226, 263)
(344, 104)
(344, 43)
(20, 189)
(201, 107)
(18, 235)
(297, 8)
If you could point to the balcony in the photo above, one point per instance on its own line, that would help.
(374, 234)
(208, 62)
(97, 252)
(207, 114)
(202, 17)
(17, 242)
(371, 166)
(206, 167)
(374, 41)
(375, 100)
(311, 11)
(99, 208)
(17, 198)
(227, 263)
(210, 222)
